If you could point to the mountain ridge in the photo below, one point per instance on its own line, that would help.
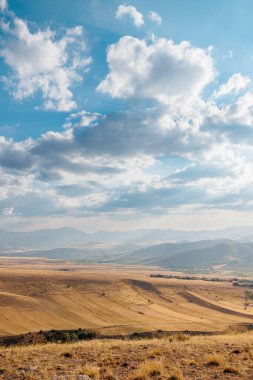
(68, 236)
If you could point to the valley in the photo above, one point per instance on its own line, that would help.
(223, 253)
(113, 299)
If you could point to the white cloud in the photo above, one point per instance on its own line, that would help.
(14, 155)
(234, 119)
(221, 170)
(182, 151)
(83, 118)
(160, 70)
(41, 62)
(125, 161)
(228, 55)
(3, 5)
(155, 17)
(235, 84)
(8, 211)
(131, 11)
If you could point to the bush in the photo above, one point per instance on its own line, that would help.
(86, 335)
(65, 337)
(180, 337)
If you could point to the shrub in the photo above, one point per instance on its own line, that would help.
(179, 337)
(86, 335)
(214, 360)
(149, 368)
(65, 337)
(92, 372)
(231, 370)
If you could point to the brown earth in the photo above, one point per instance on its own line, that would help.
(43, 295)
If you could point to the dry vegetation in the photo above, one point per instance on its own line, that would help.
(122, 300)
(113, 300)
(200, 357)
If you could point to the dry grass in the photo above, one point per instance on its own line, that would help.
(33, 295)
(91, 371)
(148, 370)
(179, 337)
(176, 375)
(154, 352)
(214, 360)
(34, 299)
(206, 357)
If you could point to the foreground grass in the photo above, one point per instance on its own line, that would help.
(178, 358)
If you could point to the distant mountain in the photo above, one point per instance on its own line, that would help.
(169, 235)
(86, 253)
(222, 253)
(68, 244)
(41, 239)
(200, 254)
(71, 237)
(83, 254)
(162, 252)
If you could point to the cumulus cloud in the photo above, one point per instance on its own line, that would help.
(232, 122)
(160, 70)
(41, 62)
(104, 154)
(235, 84)
(129, 10)
(122, 161)
(15, 156)
(153, 131)
(184, 150)
(221, 170)
(104, 163)
(155, 17)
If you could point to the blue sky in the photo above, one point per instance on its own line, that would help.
(120, 115)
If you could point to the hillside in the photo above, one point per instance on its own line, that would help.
(113, 299)
(153, 254)
(196, 255)
(137, 248)
(88, 253)
(204, 255)
(176, 357)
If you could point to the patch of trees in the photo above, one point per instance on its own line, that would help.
(56, 336)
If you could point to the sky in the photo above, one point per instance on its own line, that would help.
(123, 115)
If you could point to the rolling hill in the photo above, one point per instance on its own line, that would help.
(198, 255)
(112, 299)
(124, 248)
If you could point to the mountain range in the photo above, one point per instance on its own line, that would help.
(199, 254)
(230, 248)
(66, 237)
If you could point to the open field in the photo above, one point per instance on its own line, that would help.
(42, 295)
(176, 358)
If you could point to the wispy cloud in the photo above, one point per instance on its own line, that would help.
(129, 10)
(235, 84)
(155, 17)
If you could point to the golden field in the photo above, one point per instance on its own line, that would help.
(41, 295)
